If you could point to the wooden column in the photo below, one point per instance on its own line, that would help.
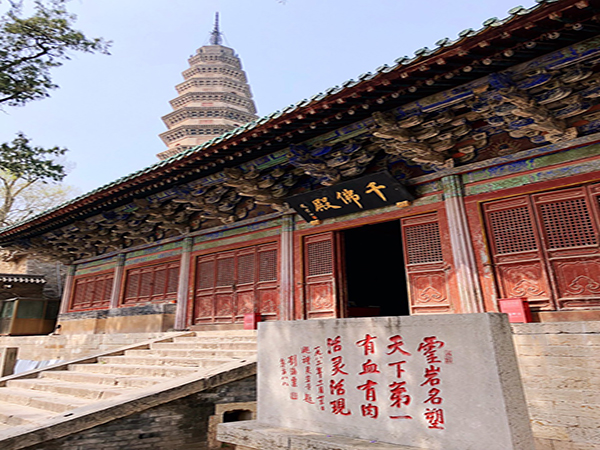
(66, 297)
(117, 280)
(471, 298)
(286, 270)
(183, 286)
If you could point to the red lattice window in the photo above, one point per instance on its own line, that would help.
(568, 223)
(205, 274)
(423, 243)
(172, 278)
(319, 257)
(152, 283)
(245, 268)
(225, 273)
(91, 292)
(512, 230)
(267, 265)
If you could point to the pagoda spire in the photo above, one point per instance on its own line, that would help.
(216, 37)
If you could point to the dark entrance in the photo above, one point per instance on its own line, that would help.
(375, 275)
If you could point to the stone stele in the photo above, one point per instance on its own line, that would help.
(433, 382)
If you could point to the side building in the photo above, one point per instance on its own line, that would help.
(441, 184)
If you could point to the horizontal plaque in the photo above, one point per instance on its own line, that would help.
(361, 194)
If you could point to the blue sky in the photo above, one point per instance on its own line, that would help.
(108, 108)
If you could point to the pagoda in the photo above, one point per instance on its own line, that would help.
(213, 98)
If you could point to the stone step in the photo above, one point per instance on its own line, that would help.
(102, 379)
(138, 371)
(80, 390)
(151, 360)
(14, 415)
(217, 345)
(48, 401)
(250, 333)
(212, 339)
(193, 353)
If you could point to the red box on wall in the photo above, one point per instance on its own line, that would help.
(517, 309)
(251, 321)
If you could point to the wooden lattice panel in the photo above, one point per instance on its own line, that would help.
(423, 243)
(319, 258)
(225, 272)
(267, 265)
(205, 275)
(512, 230)
(151, 283)
(245, 268)
(568, 223)
(92, 292)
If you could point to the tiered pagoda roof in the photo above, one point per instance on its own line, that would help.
(214, 98)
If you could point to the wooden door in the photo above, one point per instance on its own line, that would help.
(204, 289)
(516, 252)
(229, 284)
(569, 231)
(321, 268)
(246, 278)
(428, 264)
(267, 285)
(225, 287)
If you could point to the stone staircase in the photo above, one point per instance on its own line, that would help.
(31, 399)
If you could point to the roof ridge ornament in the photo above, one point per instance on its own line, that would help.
(216, 37)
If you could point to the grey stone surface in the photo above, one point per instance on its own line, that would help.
(458, 387)
(254, 435)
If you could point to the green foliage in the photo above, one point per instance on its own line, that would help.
(29, 163)
(28, 177)
(30, 46)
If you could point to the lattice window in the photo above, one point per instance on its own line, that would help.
(102, 290)
(172, 279)
(79, 295)
(145, 283)
(133, 284)
(568, 223)
(423, 243)
(153, 283)
(92, 292)
(225, 275)
(512, 230)
(245, 266)
(320, 258)
(160, 281)
(206, 274)
(267, 265)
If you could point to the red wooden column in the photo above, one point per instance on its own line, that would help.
(117, 279)
(286, 268)
(471, 298)
(183, 285)
(68, 290)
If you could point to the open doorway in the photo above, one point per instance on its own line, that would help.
(375, 275)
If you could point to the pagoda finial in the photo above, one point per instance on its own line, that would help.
(216, 37)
